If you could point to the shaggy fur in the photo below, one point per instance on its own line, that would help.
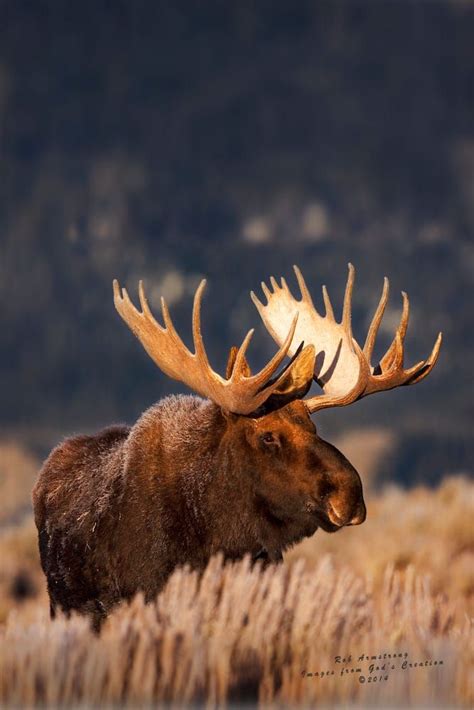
(118, 511)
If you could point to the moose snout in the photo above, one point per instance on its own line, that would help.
(343, 515)
(339, 489)
(345, 503)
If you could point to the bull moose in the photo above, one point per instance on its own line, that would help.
(239, 469)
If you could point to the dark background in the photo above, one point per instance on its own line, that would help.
(174, 140)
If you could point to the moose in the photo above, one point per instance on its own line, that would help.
(239, 469)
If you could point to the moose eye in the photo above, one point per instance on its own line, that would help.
(269, 438)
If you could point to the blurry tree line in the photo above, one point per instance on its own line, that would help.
(168, 141)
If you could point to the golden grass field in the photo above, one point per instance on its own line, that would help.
(402, 584)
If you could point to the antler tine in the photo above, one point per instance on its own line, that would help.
(328, 304)
(274, 284)
(368, 348)
(429, 363)
(266, 290)
(305, 294)
(143, 300)
(422, 369)
(117, 295)
(347, 307)
(386, 361)
(399, 354)
(239, 358)
(405, 315)
(125, 297)
(170, 330)
(199, 348)
(126, 308)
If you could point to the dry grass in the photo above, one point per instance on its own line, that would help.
(242, 634)
(22, 583)
(402, 582)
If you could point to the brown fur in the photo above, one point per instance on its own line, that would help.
(118, 511)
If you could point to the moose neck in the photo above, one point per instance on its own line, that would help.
(230, 498)
(219, 494)
(181, 455)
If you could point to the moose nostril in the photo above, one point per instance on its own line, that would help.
(333, 516)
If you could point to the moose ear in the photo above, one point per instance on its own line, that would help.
(296, 380)
(231, 362)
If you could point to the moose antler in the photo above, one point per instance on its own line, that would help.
(342, 369)
(239, 393)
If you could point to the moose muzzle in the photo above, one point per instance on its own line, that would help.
(340, 488)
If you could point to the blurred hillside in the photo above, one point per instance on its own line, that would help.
(167, 141)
